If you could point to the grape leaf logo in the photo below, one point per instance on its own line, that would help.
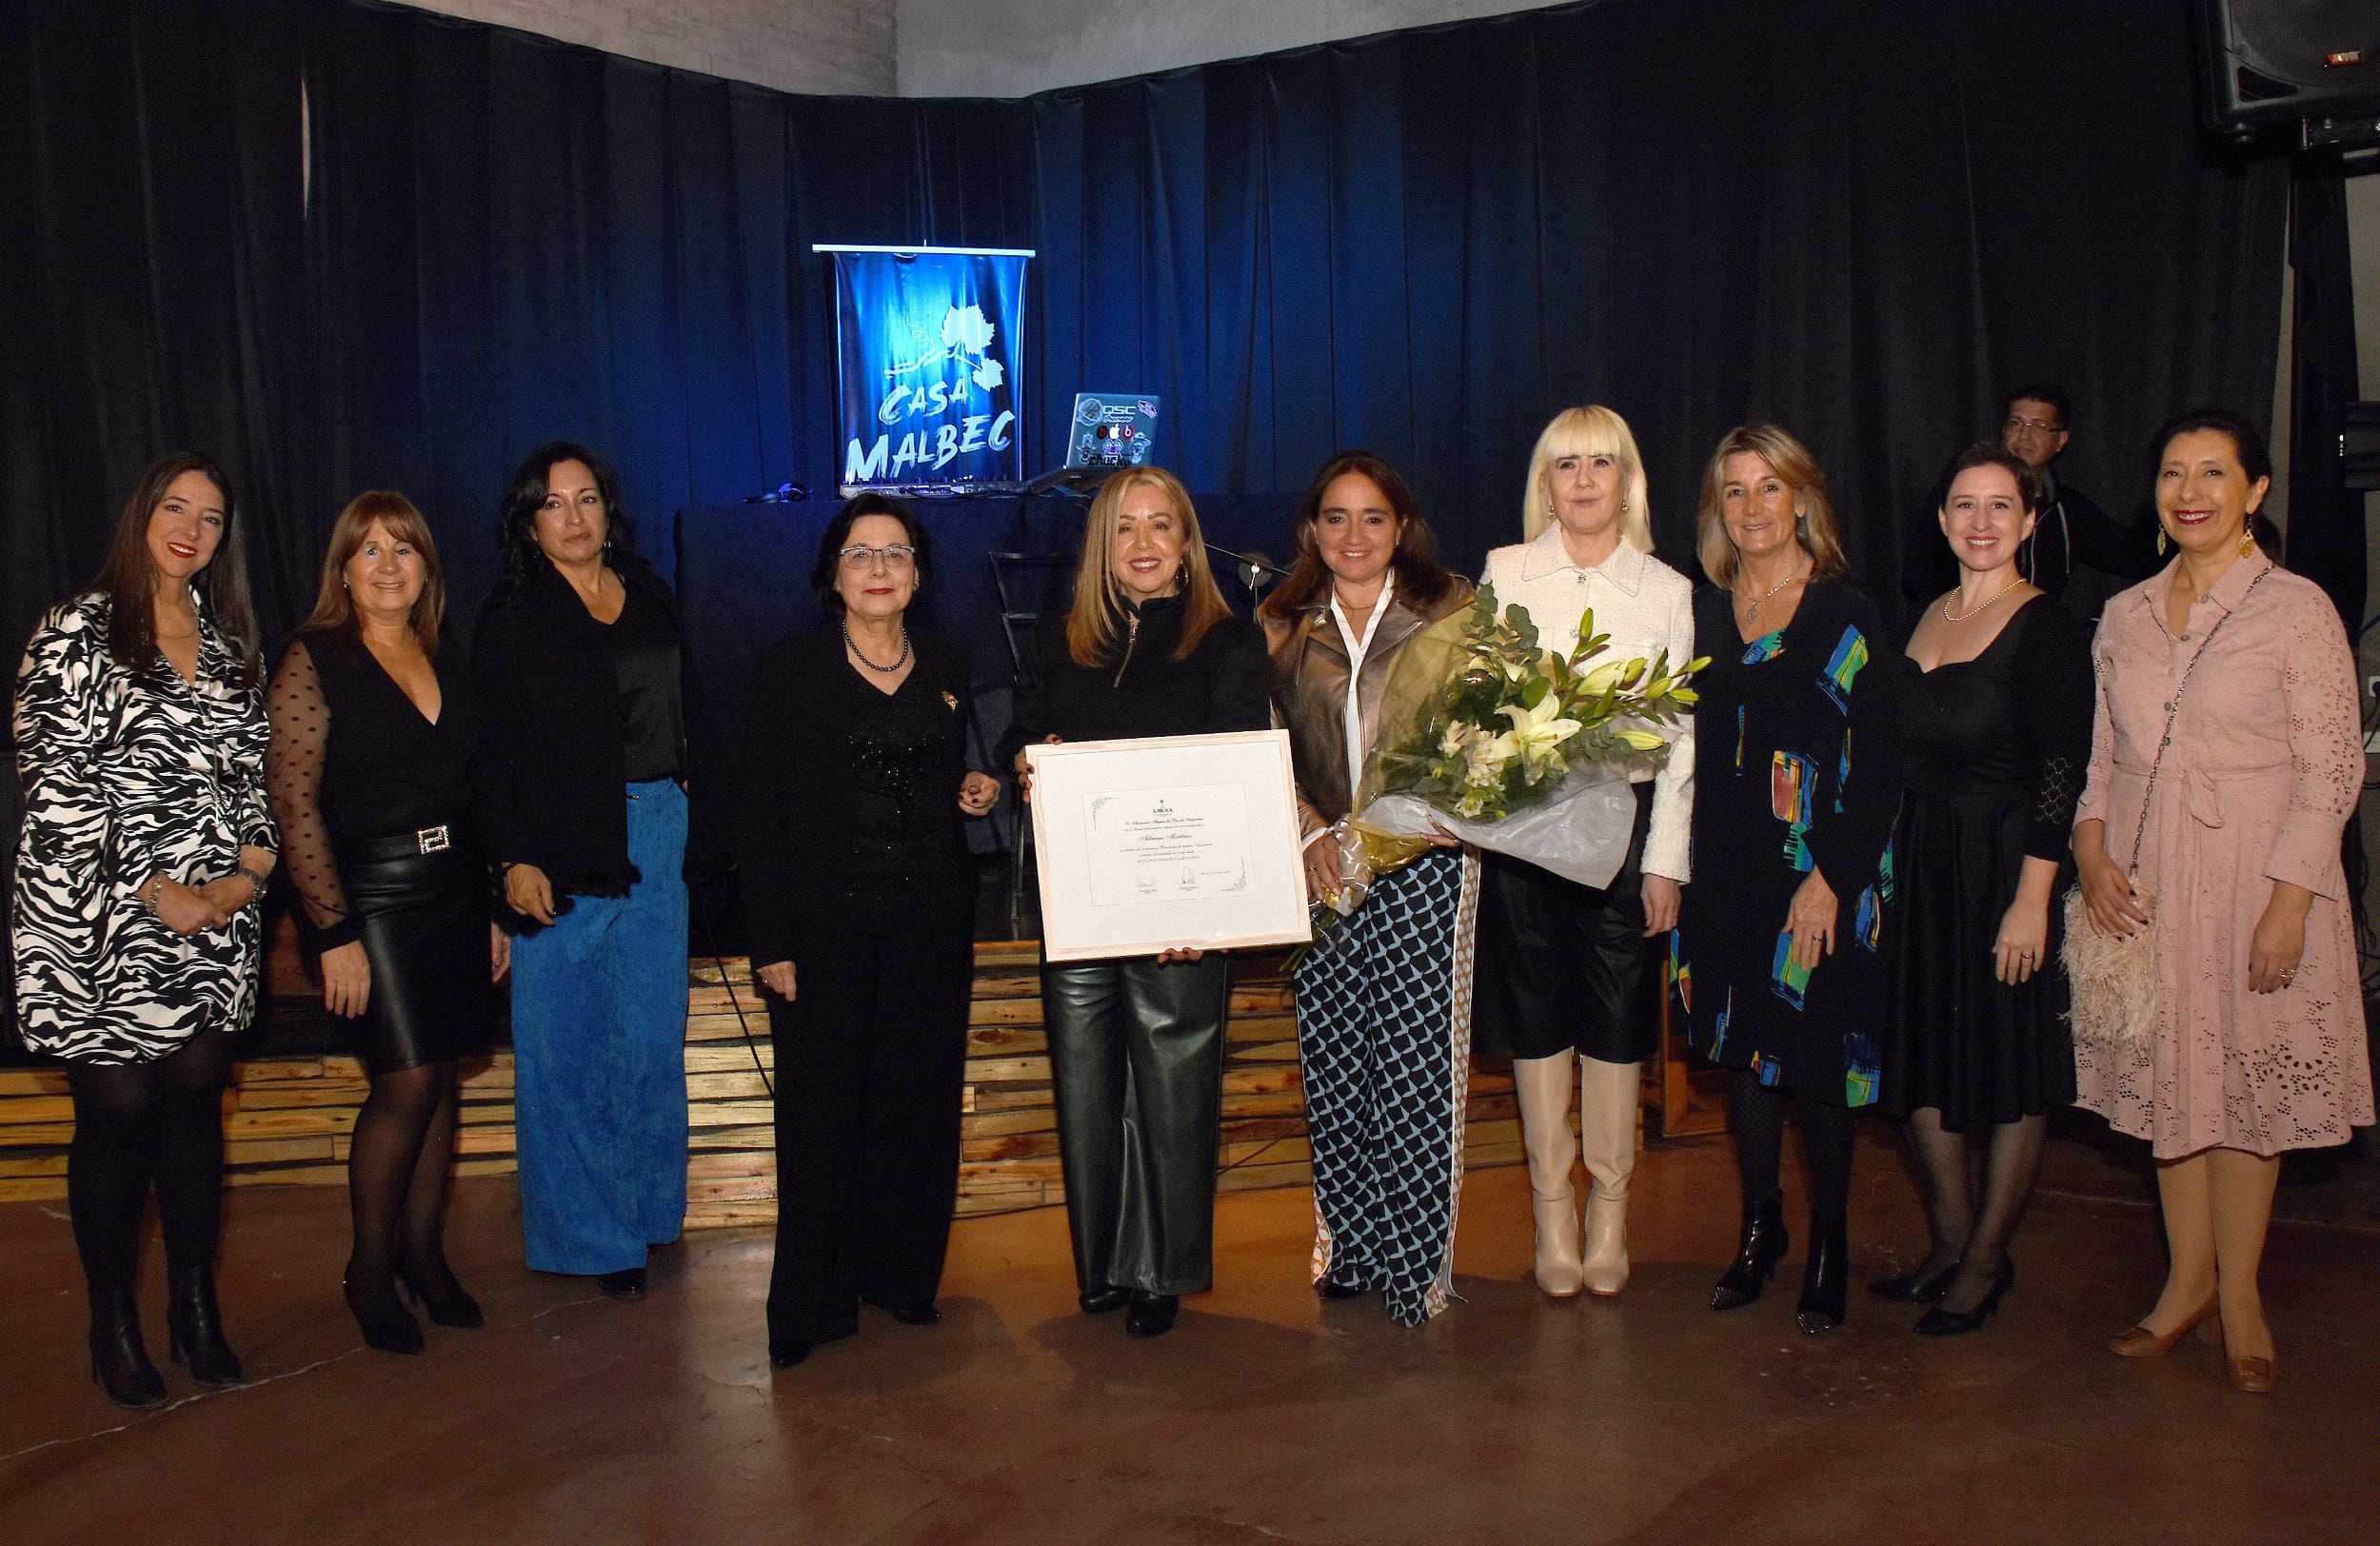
(967, 333)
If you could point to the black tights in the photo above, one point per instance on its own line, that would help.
(397, 1170)
(1757, 1113)
(1969, 1229)
(135, 1123)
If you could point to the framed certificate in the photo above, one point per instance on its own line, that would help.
(1171, 842)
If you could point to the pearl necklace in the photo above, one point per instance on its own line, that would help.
(1948, 616)
(853, 646)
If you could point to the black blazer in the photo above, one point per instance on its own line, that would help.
(799, 766)
(553, 764)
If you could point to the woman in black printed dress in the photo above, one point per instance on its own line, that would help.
(374, 727)
(140, 746)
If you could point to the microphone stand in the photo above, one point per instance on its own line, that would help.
(1256, 570)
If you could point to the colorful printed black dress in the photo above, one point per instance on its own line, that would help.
(1796, 765)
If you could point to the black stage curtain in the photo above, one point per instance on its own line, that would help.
(342, 245)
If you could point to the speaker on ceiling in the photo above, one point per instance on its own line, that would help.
(2279, 61)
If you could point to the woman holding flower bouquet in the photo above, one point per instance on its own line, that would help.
(1383, 998)
(1136, 1047)
(1796, 786)
(1563, 971)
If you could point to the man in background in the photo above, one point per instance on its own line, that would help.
(2079, 552)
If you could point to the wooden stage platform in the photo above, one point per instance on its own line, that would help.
(287, 1119)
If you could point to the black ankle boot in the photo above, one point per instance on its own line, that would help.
(432, 1284)
(382, 1318)
(1826, 1282)
(119, 1362)
(1756, 1255)
(196, 1325)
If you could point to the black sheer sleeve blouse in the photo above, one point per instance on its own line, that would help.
(352, 759)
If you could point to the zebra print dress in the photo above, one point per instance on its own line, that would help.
(124, 775)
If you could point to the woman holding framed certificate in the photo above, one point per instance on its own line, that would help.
(1136, 1045)
(1384, 996)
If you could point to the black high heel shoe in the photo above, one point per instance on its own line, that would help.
(920, 1312)
(431, 1285)
(195, 1326)
(1757, 1253)
(1940, 1322)
(1099, 1301)
(1917, 1288)
(119, 1362)
(1826, 1282)
(380, 1315)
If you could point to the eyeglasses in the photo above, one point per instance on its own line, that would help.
(2014, 422)
(898, 556)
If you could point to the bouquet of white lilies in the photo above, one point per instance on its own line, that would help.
(1488, 737)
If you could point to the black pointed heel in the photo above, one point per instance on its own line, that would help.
(432, 1287)
(1917, 1288)
(1826, 1282)
(381, 1317)
(1757, 1253)
(1940, 1322)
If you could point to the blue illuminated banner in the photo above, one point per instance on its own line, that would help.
(929, 367)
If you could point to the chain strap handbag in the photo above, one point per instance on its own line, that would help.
(2114, 978)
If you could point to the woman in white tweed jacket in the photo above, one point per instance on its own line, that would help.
(1564, 970)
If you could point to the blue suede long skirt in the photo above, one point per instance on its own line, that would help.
(599, 1007)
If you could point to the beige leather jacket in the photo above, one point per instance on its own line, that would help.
(1309, 668)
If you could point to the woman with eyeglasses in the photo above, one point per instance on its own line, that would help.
(859, 902)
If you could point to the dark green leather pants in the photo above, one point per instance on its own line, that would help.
(1136, 1058)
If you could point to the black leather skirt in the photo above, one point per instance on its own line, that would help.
(1564, 967)
(423, 919)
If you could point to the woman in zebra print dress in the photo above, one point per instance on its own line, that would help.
(140, 746)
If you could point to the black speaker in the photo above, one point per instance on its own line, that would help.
(2275, 61)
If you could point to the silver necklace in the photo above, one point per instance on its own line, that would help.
(853, 646)
(1752, 610)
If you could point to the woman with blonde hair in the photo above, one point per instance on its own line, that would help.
(1136, 1046)
(1797, 782)
(374, 727)
(1564, 971)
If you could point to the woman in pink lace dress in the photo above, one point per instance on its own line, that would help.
(2258, 1046)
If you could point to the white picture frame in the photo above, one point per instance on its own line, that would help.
(1169, 842)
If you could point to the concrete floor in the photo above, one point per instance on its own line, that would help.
(1266, 1416)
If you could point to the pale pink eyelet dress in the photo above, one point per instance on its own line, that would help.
(2266, 764)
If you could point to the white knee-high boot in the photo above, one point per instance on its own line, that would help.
(1607, 1137)
(1543, 1084)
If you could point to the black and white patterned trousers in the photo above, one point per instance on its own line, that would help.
(1384, 1035)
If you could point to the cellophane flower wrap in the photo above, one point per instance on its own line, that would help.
(1488, 737)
